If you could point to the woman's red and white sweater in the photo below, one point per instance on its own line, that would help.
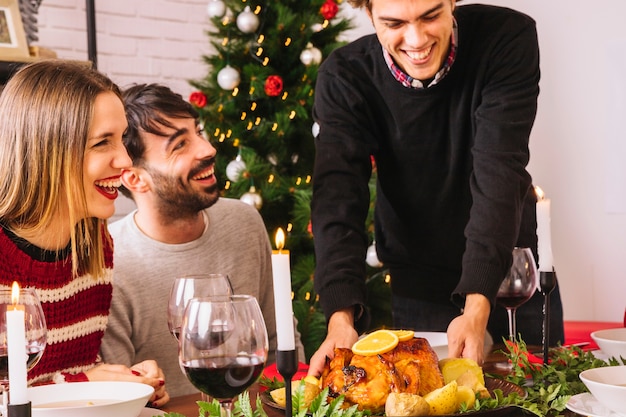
(76, 308)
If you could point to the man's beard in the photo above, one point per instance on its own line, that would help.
(177, 199)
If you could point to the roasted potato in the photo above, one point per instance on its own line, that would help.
(400, 404)
(443, 400)
(311, 391)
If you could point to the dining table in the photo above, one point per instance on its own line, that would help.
(186, 404)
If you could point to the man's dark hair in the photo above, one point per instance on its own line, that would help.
(147, 107)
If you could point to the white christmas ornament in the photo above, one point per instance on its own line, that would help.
(311, 55)
(253, 198)
(272, 159)
(216, 8)
(235, 168)
(228, 78)
(247, 22)
(372, 257)
(315, 129)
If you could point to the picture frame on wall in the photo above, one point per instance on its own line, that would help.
(13, 43)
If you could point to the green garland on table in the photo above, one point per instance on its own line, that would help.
(319, 407)
(548, 387)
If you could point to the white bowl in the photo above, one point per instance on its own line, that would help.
(438, 341)
(612, 342)
(89, 399)
(607, 385)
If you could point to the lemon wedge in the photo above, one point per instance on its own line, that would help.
(404, 335)
(375, 343)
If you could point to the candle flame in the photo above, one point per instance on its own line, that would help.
(539, 192)
(15, 292)
(280, 239)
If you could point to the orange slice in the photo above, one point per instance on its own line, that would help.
(404, 335)
(375, 343)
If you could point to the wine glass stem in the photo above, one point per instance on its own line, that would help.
(512, 330)
(227, 407)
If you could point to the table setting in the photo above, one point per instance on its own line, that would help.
(223, 351)
(547, 381)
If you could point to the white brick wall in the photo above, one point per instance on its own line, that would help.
(137, 40)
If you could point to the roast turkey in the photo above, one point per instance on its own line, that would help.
(411, 367)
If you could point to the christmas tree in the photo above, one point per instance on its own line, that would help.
(256, 104)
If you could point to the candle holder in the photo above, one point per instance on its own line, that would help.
(547, 283)
(19, 410)
(287, 366)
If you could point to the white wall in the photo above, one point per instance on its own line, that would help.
(583, 57)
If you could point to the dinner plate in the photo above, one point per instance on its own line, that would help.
(587, 405)
(490, 383)
(151, 412)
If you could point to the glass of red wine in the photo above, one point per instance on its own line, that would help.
(193, 286)
(35, 326)
(518, 286)
(223, 346)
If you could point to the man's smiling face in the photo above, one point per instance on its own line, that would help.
(416, 33)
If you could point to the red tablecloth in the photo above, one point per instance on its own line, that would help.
(271, 372)
(580, 331)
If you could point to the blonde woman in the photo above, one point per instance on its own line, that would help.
(61, 156)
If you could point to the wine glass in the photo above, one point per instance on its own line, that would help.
(518, 286)
(36, 330)
(193, 286)
(223, 346)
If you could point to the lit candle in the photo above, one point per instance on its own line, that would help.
(282, 295)
(544, 239)
(16, 349)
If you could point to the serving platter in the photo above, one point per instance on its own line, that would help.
(491, 384)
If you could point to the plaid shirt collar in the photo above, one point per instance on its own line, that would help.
(408, 81)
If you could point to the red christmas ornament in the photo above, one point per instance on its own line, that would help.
(329, 9)
(309, 228)
(197, 98)
(273, 85)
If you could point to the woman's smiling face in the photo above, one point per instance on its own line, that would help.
(105, 156)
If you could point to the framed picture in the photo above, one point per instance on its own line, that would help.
(13, 43)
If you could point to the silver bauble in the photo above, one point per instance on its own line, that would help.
(216, 8)
(372, 257)
(228, 78)
(235, 168)
(247, 22)
(317, 27)
(272, 159)
(315, 129)
(253, 198)
(311, 55)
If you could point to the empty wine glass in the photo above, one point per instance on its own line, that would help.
(193, 286)
(35, 325)
(223, 346)
(518, 286)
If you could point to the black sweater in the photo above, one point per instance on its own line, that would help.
(451, 163)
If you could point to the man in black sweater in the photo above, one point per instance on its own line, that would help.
(444, 99)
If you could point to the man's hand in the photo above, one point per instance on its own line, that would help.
(341, 334)
(466, 333)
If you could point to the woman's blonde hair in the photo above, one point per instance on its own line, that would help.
(46, 110)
